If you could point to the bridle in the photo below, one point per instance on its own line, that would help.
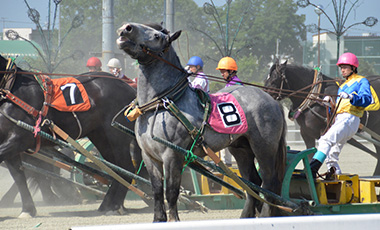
(283, 80)
(158, 55)
(173, 93)
(312, 95)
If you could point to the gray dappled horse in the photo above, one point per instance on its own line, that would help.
(107, 96)
(264, 140)
(312, 121)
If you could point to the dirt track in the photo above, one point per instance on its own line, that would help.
(66, 216)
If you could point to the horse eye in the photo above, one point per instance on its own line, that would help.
(156, 36)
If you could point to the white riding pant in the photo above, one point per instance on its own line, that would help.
(343, 129)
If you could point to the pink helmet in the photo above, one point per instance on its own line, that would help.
(348, 59)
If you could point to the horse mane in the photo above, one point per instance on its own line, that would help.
(3, 62)
(306, 70)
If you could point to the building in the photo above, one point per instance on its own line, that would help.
(366, 47)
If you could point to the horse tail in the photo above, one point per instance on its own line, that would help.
(281, 151)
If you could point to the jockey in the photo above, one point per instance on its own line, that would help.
(353, 96)
(200, 81)
(94, 64)
(114, 66)
(228, 68)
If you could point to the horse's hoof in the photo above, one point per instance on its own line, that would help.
(118, 212)
(25, 215)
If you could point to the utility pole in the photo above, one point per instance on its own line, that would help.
(169, 15)
(108, 37)
(277, 47)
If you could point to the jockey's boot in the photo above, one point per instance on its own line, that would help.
(315, 165)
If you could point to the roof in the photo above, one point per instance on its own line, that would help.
(18, 47)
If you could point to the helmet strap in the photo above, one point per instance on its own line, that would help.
(231, 73)
(198, 68)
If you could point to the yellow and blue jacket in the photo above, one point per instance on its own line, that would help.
(359, 87)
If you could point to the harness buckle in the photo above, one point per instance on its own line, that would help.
(166, 102)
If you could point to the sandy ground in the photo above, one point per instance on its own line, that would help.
(66, 216)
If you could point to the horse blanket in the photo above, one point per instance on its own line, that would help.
(227, 116)
(69, 95)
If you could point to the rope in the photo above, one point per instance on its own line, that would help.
(141, 164)
(211, 78)
(190, 157)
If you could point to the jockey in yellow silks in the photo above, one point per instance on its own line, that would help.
(354, 95)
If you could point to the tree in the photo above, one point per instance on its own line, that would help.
(252, 33)
(89, 37)
(366, 68)
(49, 55)
(253, 29)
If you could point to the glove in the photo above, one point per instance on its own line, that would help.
(326, 101)
(345, 95)
(187, 69)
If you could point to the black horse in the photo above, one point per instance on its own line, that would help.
(312, 120)
(107, 96)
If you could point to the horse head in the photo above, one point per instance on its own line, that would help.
(139, 40)
(277, 79)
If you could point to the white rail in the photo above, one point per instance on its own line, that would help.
(328, 222)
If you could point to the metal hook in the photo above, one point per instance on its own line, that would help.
(166, 101)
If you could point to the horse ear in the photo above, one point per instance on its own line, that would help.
(284, 64)
(174, 36)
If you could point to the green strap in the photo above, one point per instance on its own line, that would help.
(141, 164)
(179, 115)
(190, 157)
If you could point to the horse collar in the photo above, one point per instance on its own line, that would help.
(173, 94)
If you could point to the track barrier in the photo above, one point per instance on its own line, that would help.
(327, 222)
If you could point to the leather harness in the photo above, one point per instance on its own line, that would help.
(47, 87)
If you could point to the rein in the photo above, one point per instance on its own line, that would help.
(316, 89)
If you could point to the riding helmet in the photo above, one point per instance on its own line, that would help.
(348, 59)
(195, 60)
(114, 63)
(227, 63)
(94, 61)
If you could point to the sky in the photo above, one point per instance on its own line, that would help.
(13, 14)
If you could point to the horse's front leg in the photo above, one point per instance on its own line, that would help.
(15, 169)
(173, 176)
(156, 177)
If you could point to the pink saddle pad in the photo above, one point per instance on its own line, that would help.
(227, 116)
